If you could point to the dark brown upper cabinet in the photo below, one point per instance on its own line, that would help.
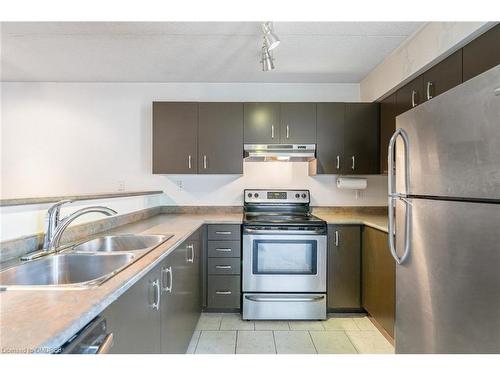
(220, 138)
(443, 76)
(410, 95)
(361, 139)
(330, 137)
(482, 54)
(298, 123)
(175, 138)
(261, 123)
(387, 128)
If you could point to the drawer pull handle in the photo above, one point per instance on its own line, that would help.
(223, 267)
(284, 299)
(223, 232)
(225, 250)
(223, 292)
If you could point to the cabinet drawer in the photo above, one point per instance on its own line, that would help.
(224, 266)
(224, 292)
(224, 232)
(224, 249)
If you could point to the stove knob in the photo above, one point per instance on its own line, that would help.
(303, 195)
(249, 195)
(297, 195)
(256, 195)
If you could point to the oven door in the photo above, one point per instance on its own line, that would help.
(276, 262)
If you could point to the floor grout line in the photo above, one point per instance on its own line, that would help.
(352, 342)
(275, 346)
(314, 345)
(197, 341)
(236, 341)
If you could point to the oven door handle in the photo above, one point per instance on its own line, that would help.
(267, 231)
(284, 299)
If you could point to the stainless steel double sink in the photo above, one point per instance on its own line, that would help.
(85, 265)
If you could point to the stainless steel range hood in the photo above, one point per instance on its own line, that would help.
(279, 152)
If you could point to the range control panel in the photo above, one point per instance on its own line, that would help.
(276, 196)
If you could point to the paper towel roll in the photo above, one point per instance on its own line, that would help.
(351, 183)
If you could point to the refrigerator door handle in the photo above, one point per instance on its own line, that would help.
(407, 236)
(390, 162)
(393, 195)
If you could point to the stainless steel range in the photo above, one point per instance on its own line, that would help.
(284, 257)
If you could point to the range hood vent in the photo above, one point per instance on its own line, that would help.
(279, 152)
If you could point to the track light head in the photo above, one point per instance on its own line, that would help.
(270, 37)
(266, 59)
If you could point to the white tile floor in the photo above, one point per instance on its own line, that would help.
(340, 334)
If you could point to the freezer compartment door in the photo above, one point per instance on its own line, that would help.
(281, 306)
(448, 288)
(454, 142)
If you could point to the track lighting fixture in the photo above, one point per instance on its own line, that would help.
(270, 38)
(266, 59)
(271, 41)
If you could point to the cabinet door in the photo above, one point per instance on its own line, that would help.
(175, 146)
(378, 278)
(133, 318)
(181, 299)
(361, 139)
(177, 301)
(387, 128)
(344, 267)
(482, 54)
(261, 123)
(410, 95)
(298, 123)
(443, 76)
(220, 135)
(330, 138)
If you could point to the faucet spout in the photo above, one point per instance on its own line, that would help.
(56, 238)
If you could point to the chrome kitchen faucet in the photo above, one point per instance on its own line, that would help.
(56, 226)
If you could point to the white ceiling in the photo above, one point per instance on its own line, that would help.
(324, 52)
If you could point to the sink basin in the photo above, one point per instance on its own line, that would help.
(65, 270)
(122, 242)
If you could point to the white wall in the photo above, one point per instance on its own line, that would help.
(434, 42)
(73, 138)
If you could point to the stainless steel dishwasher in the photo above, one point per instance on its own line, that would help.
(92, 339)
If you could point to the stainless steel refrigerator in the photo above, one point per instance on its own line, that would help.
(444, 214)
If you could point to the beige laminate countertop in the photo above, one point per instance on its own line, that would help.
(42, 320)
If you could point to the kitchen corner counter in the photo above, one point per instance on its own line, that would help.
(42, 320)
(373, 220)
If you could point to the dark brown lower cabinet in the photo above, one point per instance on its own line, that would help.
(135, 318)
(160, 312)
(344, 267)
(222, 268)
(378, 278)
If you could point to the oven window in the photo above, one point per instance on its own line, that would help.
(282, 257)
